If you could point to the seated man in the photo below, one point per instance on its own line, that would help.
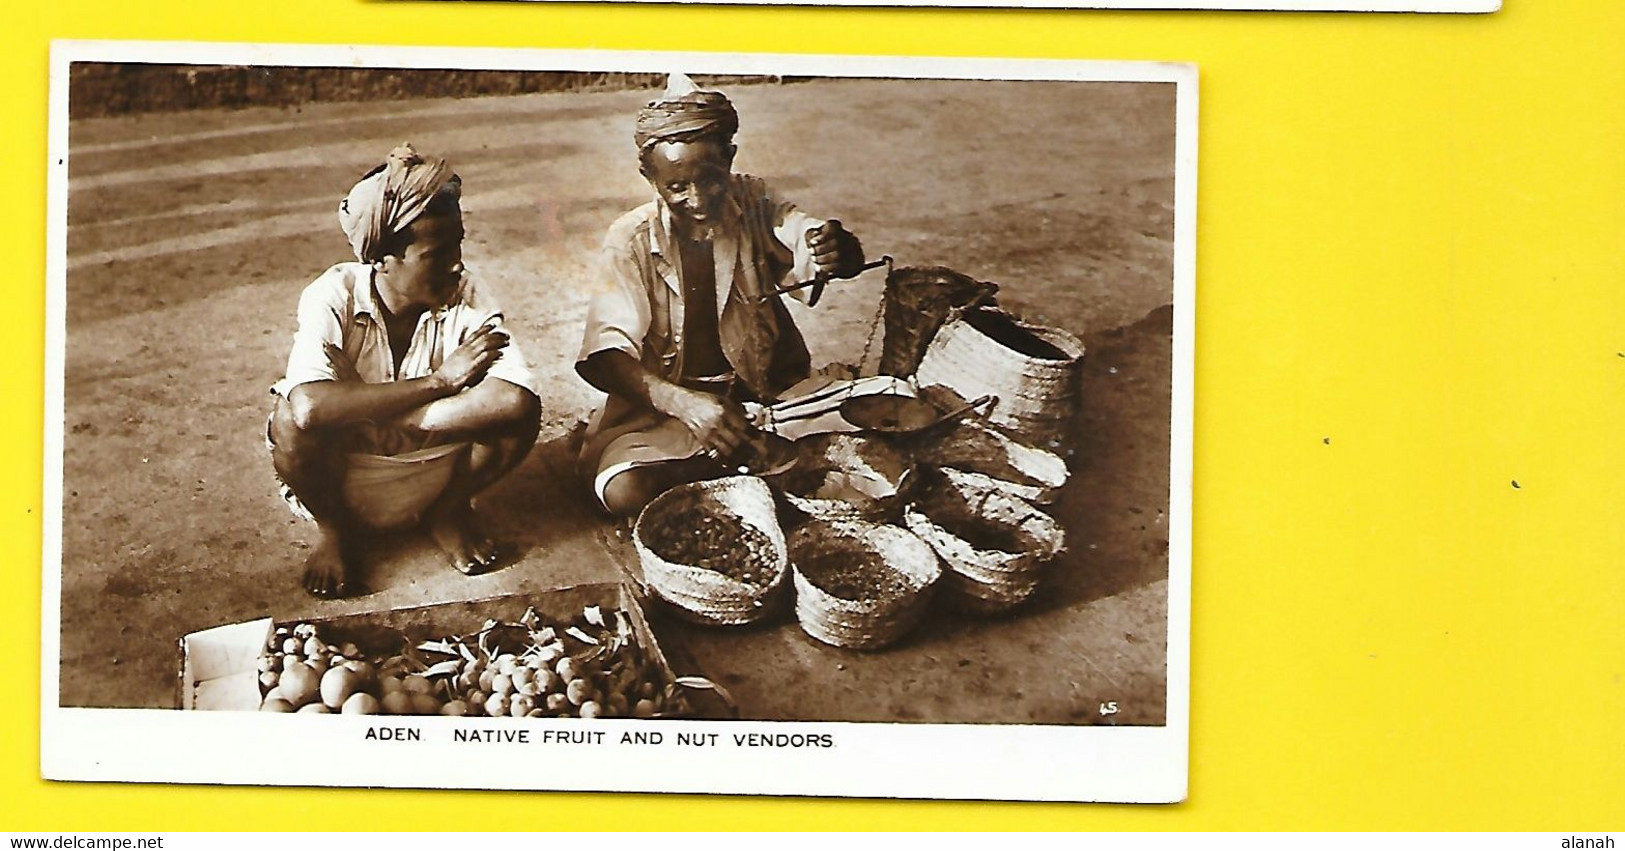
(403, 398)
(686, 321)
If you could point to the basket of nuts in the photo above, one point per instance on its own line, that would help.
(994, 545)
(714, 550)
(860, 585)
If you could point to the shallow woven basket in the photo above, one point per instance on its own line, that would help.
(1034, 370)
(860, 624)
(990, 457)
(983, 579)
(870, 465)
(984, 599)
(708, 596)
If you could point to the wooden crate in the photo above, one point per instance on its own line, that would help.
(217, 668)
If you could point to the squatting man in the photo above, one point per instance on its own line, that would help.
(404, 396)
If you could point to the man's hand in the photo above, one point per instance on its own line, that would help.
(836, 252)
(469, 363)
(343, 367)
(720, 424)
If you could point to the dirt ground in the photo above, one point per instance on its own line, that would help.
(191, 235)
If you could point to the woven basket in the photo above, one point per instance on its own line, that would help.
(1033, 370)
(862, 624)
(983, 577)
(708, 596)
(990, 457)
(846, 477)
(917, 301)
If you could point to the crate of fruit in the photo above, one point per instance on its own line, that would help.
(586, 651)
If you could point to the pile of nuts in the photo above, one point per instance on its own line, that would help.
(726, 545)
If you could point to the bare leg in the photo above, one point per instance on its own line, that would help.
(311, 464)
(628, 492)
(496, 451)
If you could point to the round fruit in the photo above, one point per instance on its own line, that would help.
(568, 669)
(456, 708)
(362, 668)
(300, 685)
(417, 684)
(550, 682)
(578, 692)
(425, 704)
(389, 685)
(290, 660)
(361, 703)
(338, 684)
(521, 706)
(487, 678)
(644, 709)
(292, 645)
(314, 645)
(591, 709)
(265, 663)
(549, 655)
(502, 684)
(506, 663)
(476, 702)
(557, 703)
(496, 706)
(321, 662)
(398, 703)
(316, 709)
(269, 679)
(522, 675)
(276, 704)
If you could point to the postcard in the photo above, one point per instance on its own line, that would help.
(639, 422)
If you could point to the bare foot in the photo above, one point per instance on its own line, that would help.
(327, 568)
(453, 529)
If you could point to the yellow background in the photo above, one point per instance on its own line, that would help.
(1410, 244)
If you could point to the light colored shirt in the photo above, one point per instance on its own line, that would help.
(637, 306)
(340, 308)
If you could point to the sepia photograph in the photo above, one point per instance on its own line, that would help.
(798, 415)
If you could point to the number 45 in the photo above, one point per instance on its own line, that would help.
(1108, 708)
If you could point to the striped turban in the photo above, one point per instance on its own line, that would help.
(390, 197)
(685, 112)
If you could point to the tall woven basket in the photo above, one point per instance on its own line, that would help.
(961, 519)
(867, 611)
(700, 594)
(917, 301)
(1034, 370)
